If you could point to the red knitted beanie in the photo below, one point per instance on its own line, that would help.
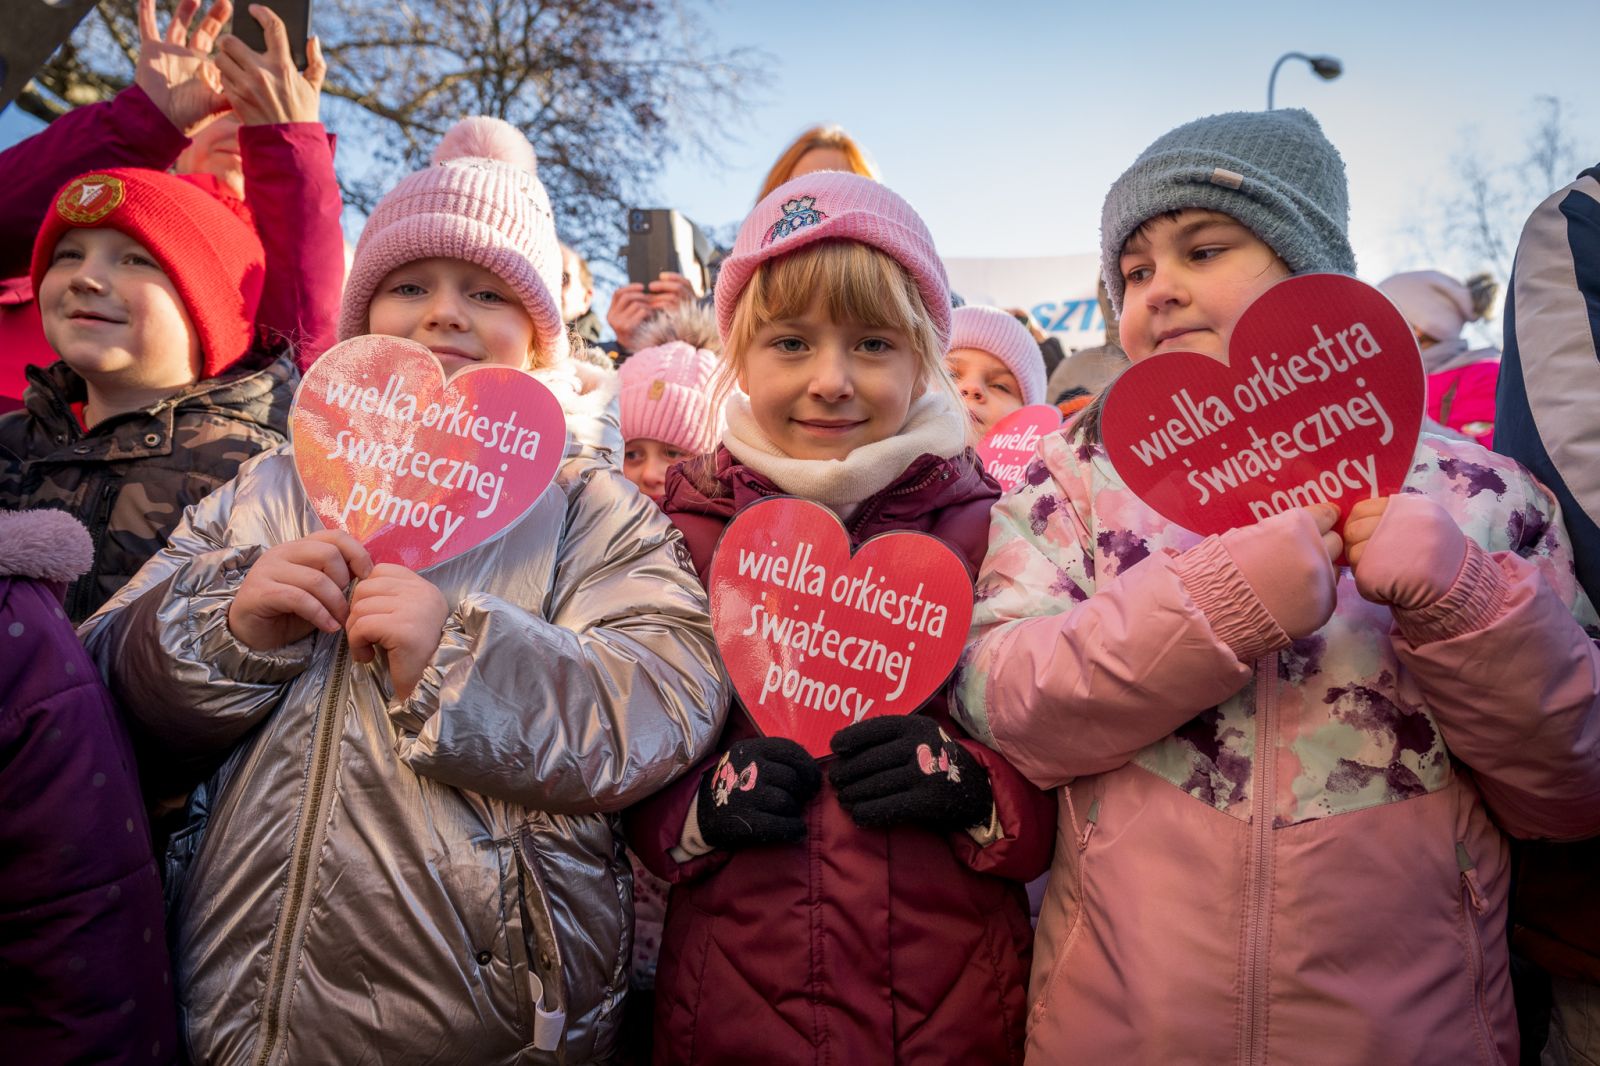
(206, 243)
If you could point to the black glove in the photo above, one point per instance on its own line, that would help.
(905, 768)
(757, 793)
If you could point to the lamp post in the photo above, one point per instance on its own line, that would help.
(1325, 67)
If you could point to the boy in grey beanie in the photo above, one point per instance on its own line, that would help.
(1272, 171)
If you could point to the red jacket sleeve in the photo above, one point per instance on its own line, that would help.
(654, 826)
(1027, 818)
(126, 131)
(294, 197)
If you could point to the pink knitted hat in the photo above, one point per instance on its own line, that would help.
(480, 201)
(666, 396)
(996, 332)
(830, 205)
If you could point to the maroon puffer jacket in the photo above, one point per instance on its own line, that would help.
(855, 945)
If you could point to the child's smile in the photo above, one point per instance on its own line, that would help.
(820, 388)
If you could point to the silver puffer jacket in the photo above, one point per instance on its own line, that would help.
(440, 879)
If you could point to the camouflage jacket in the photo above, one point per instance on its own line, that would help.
(130, 477)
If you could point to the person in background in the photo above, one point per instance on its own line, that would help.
(83, 948)
(822, 147)
(271, 142)
(995, 364)
(1050, 349)
(1461, 379)
(669, 413)
(577, 296)
(1548, 417)
(1086, 373)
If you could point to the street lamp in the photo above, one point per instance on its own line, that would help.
(1325, 67)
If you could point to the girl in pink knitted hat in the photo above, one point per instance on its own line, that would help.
(996, 365)
(409, 853)
(875, 912)
(669, 410)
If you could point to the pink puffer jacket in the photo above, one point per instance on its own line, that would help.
(1290, 860)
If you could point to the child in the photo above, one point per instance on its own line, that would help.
(148, 288)
(81, 945)
(668, 413)
(411, 858)
(1277, 778)
(996, 366)
(1461, 379)
(875, 913)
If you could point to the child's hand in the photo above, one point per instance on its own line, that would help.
(267, 89)
(295, 588)
(1405, 550)
(1288, 562)
(175, 71)
(757, 794)
(403, 613)
(906, 769)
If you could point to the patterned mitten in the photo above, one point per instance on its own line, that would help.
(898, 769)
(757, 793)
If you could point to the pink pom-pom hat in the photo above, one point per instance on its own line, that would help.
(480, 201)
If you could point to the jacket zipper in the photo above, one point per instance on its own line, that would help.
(1258, 902)
(312, 813)
(1472, 902)
(100, 520)
(871, 510)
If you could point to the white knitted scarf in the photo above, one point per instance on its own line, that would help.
(935, 425)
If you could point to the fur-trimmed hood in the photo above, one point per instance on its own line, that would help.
(45, 545)
(586, 386)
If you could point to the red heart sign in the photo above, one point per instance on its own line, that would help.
(417, 469)
(1320, 401)
(815, 639)
(1008, 448)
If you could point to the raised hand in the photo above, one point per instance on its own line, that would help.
(175, 69)
(266, 89)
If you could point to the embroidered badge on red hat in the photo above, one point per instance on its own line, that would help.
(797, 214)
(90, 198)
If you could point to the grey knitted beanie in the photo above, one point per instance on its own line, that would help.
(1274, 171)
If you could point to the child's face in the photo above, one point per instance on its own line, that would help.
(1189, 278)
(112, 314)
(645, 462)
(820, 389)
(987, 387)
(214, 150)
(462, 312)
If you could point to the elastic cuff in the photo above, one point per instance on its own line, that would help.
(691, 845)
(411, 714)
(984, 835)
(1234, 611)
(1475, 599)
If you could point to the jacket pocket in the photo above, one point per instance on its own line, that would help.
(541, 988)
(1473, 906)
(182, 847)
(1083, 821)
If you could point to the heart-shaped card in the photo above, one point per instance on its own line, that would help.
(1008, 448)
(417, 468)
(816, 639)
(1320, 400)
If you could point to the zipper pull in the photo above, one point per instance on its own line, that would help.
(1469, 877)
(1089, 823)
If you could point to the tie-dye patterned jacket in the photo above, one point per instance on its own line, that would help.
(1296, 859)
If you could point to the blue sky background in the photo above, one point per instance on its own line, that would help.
(1004, 123)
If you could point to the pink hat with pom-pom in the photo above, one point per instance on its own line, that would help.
(480, 201)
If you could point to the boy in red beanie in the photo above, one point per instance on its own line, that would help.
(148, 288)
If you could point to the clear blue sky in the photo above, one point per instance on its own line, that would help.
(1005, 122)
